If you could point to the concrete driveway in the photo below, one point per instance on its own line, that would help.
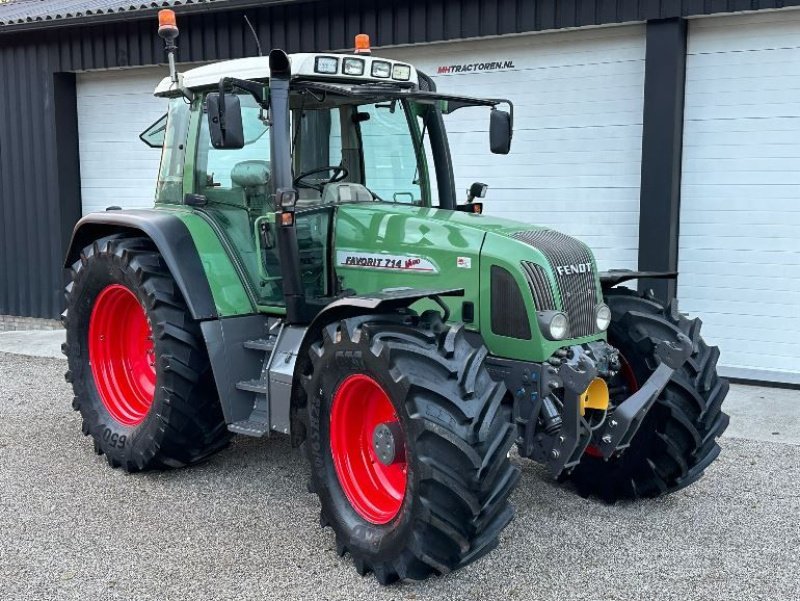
(242, 526)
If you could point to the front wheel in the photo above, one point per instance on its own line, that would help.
(677, 440)
(408, 438)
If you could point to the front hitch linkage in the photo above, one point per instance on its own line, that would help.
(621, 426)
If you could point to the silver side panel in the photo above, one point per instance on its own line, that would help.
(281, 376)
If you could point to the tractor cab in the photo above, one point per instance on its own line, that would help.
(269, 148)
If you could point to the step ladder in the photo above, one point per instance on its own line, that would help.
(258, 424)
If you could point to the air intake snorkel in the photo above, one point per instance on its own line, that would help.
(283, 189)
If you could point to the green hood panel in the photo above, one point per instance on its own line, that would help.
(381, 245)
(456, 219)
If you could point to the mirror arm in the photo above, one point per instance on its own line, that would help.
(510, 107)
(254, 88)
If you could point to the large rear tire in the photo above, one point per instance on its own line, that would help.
(442, 502)
(137, 360)
(677, 439)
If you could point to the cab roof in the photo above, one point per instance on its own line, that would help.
(303, 65)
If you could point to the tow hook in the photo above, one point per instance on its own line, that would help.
(622, 425)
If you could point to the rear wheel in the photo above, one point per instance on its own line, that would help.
(408, 438)
(677, 439)
(137, 360)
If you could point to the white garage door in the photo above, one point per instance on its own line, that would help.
(740, 207)
(114, 107)
(576, 154)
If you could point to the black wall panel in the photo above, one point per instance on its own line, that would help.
(39, 180)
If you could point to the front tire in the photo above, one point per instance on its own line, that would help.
(137, 360)
(677, 440)
(443, 502)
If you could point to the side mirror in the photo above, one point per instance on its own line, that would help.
(500, 131)
(225, 121)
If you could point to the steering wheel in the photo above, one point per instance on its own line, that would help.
(339, 173)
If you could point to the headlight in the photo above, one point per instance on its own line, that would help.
(602, 317)
(327, 65)
(381, 69)
(401, 72)
(553, 324)
(353, 66)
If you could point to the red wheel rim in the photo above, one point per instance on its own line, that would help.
(121, 354)
(375, 490)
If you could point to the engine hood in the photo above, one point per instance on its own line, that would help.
(383, 245)
(457, 219)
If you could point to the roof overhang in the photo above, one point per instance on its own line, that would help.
(71, 17)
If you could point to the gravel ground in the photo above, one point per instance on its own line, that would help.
(242, 526)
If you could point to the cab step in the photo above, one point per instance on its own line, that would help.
(257, 422)
(265, 345)
(257, 386)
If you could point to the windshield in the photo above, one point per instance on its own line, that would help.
(352, 150)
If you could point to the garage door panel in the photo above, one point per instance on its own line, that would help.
(772, 150)
(776, 283)
(751, 299)
(114, 107)
(770, 29)
(739, 255)
(743, 99)
(745, 165)
(771, 312)
(776, 127)
(742, 197)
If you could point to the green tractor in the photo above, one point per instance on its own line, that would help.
(308, 270)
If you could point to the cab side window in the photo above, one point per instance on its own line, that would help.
(239, 177)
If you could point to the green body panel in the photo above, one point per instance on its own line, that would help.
(401, 234)
(227, 287)
(456, 250)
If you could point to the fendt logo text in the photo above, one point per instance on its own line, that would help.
(574, 269)
(472, 67)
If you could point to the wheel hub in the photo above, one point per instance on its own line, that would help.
(387, 442)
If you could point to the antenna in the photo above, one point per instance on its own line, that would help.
(255, 35)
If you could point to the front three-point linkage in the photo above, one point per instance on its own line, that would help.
(620, 425)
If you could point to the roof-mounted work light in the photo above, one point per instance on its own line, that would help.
(168, 31)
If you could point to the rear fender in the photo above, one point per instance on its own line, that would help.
(174, 243)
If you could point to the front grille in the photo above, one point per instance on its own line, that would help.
(578, 290)
(540, 286)
(509, 317)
